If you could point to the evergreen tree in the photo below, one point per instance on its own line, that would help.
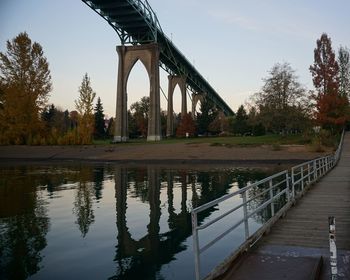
(25, 83)
(241, 121)
(100, 130)
(206, 116)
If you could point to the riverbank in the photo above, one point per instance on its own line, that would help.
(177, 153)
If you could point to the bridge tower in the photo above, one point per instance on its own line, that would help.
(173, 81)
(137, 24)
(196, 97)
(148, 54)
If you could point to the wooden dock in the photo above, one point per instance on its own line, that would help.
(296, 243)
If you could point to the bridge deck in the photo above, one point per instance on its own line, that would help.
(303, 233)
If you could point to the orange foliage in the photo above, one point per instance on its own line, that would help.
(186, 125)
(332, 110)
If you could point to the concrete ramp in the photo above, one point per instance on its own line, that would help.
(259, 266)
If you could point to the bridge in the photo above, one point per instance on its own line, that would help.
(137, 26)
(295, 240)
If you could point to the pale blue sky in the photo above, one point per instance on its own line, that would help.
(233, 43)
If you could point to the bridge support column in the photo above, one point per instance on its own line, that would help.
(173, 81)
(128, 56)
(195, 98)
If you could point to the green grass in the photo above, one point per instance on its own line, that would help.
(270, 139)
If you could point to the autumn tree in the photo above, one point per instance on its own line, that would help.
(110, 127)
(331, 107)
(139, 112)
(281, 100)
(220, 124)
(84, 106)
(186, 125)
(100, 130)
(325, 68)
(344, 71)
(25, 84)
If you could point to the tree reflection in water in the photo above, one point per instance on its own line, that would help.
(23, 223)
(26, 192)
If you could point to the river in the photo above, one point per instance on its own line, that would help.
(87, 221)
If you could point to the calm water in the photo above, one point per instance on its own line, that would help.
(111, 222)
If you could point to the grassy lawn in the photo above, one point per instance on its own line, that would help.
(270, 139)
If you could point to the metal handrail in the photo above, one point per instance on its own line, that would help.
(291, 184)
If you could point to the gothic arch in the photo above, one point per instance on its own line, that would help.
(149, 57)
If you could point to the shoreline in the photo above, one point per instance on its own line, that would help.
(180, 154)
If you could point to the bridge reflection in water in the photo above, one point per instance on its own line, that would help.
(43, 207)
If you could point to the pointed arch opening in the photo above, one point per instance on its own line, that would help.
(138, 92)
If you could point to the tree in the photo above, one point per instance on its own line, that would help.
(206, 116)
(187, 125)
(56, 122)
(110, 127)
(139, 111)
(240, 125)
(84, 106)
(280, 98)
(100, 130)
(331, 107)
(344, 71)
(25, 83)
(254, 122)
(325, 68)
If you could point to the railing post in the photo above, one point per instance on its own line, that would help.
(302, 177)
(327, 163)
(332, 248)
(293, 186)
(315, 170)
(287, 187)
(271, 198)
(195, 245)
(309, 173)
(245, 213)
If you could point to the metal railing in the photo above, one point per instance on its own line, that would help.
(284, 187)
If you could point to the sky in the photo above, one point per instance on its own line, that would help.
(233, 43)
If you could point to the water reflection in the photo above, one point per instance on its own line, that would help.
(24, 224)
(152, 217)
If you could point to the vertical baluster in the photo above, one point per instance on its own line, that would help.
(245, 213)
(302, 177)
(315, 170)
(195, 245)
(287, 186)
(293, 185)
(271, 198)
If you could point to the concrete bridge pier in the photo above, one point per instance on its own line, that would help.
(173, 81)
(128, 56)
(195, 98)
